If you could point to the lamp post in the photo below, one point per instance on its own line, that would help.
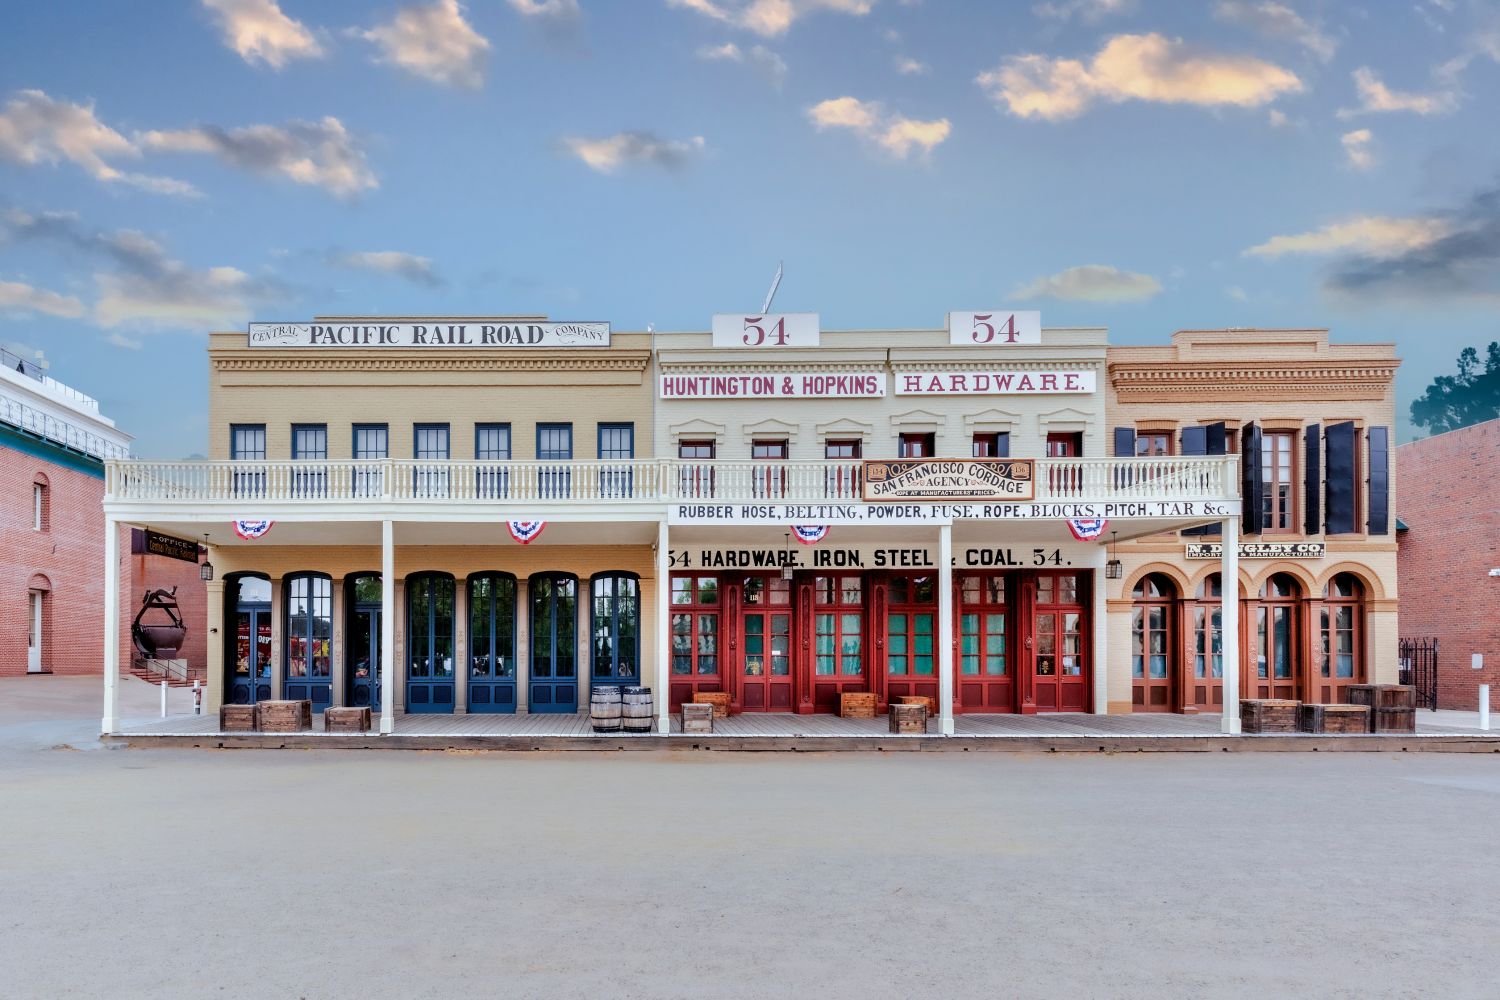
(206, 568)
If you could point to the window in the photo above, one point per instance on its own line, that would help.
(695, 450)
(916, 445)
(430, 443)
(429, 626)
(1277, 657)
(309, 610)
(695, 625)
(1153, 444)
(1066, 481)
(838, 630)
(371, 443)
(909, 626)
(616, 444)
(992, 445)
(554, 443)
(1208, 638)
(617, 628)
(842, 481)
(1341, 652)
(982, 626)
(695, 481)
(768, 480)
(1067, 444)
(40, 515)
(1153, 658)
(247, 443)
(310, 443)
(1277, 502)
(492, 444)
(492, 626)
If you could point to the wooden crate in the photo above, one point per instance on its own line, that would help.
(908, 718)
(1333, 719)
(1362, 694)
(285, 716)
(718, 699)
(857, 705)
(1395, 720)
(1395, 696)
(346, 720)
(237, 719)
(919, 699)
(1268, 715)
(698, 717)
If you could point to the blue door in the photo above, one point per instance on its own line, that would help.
(554, 643)
(248, 666)
(309, 636)
(429, 643)
(492, 643)
(615, 619)
(362, 628)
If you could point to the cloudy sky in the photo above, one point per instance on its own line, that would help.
(186, 165)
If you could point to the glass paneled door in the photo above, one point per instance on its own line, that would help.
(249, 666)
(986, 675)
(615, 616)
(429, 643)
(492, 643)
(765, 661)
(309, 636)
(838, 662)
(911, 638)
(1060, 670)
(554, 643)
(363, 644)
(695, 637)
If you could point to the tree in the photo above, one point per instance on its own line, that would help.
(1471, 396)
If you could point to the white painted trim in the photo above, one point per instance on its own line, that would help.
(771, 429)
(917, 422)
(1100, 616)
(111, 720)
(843, 429)
(663, 630)
(695, 430)
(387, 628)
(1229, 624)
(992, 420)
(945, 630)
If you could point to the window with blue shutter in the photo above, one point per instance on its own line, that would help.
(1339, 442)
(1380, 480)
(1252, 490)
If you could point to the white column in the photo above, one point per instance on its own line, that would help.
(111, 721)
(1100, 638)
(663, 633)
(945, 630)
(387, 628)
(1229, 616)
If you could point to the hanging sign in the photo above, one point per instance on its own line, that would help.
(997, 327)
(431, 333)
(996, 382)
(766, 330)
(251, 530)
(774, 385)
(809, 534)
(948, 479)
(157, 544)
(525, 532)
(1257, 550)
(1087, 529)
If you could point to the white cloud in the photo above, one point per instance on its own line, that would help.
(259, 30)
(433, 42)
(120, 340)
(1278, 119)
(1278, 21)
(907, 66)
(1237, 293)
(1357, 148)
(1092, 283)
(26, 298)
(608, 154)
(1376, 97)
(556, 10)
(1370, 235)
(1087, 11)
(769, 18)
(322, 154)
(1133, 67)
(417, 270)
(765, 62)
(35, 129)
(896, 134)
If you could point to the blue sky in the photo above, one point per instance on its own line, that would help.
(174, 167)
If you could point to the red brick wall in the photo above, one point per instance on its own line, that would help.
(147, 572)
(1448, 495)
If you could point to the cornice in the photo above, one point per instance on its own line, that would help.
(1149, 381)
(632, 361)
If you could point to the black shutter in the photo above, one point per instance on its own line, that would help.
(1216, 436)
(1340, 441)
(1002, 444)
(1380, 480)
(1252, 490)
(1194, 441)
(1312, 479)
(1124, 442)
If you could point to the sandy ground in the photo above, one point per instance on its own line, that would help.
(191, 873)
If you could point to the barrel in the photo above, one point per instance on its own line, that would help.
(636, 709)
(604, 709)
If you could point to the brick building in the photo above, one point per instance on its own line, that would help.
(53, 446)
(1446, 498)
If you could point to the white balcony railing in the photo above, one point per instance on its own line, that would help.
(637, 481)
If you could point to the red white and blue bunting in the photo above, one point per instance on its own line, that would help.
(809, 534)
(251, 530)
(1087, 529)
(525, 532)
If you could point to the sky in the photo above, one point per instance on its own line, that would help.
(180, 166)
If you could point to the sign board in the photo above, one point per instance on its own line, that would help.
(774, 385)
(1257, 550)
(995, 382)
(899, 512)
(766, 330)
(157, 544)
(994, 327)
(948, 479)
(431, 333)
(916, 557)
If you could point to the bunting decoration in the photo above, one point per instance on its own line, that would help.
(809, 534)
(251, 530)
(1087, 529)
(525, 532)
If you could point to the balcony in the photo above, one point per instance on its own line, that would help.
(538, 484)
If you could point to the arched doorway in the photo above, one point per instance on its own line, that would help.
(1341, 646)
(1277, 639)
(307, 658)
(1205, 683)
(615, 621)
(362, 637)
(429, 643)
(554, 643)
(492, 642)
(247, 665)
(1154, 669)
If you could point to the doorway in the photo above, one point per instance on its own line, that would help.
(765, 660)
(1060, 671)
(249, 663)
(34, 633)
(362, 626)
(554, 644)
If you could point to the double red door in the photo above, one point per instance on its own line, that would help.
(1024, 642)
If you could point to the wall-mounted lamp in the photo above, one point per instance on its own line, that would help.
(1114, 569)
(206, 569)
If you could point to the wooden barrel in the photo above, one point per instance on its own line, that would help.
(635, 709)
(604, 709)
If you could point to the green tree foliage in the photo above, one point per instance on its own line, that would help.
(1470, 397)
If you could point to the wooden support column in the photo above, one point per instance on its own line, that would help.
(387, 628)
(461, 646)
(337, 695)
(110, 722)
(1229, 617)
(663, 691)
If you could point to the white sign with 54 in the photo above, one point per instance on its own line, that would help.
(994, 328)
(771, 330)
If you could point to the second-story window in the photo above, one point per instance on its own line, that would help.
(39, 512)
(247, 443)
(1153, 444)
(430, 443)
(554, 443)
(616, 444)
(372, 442)
(695, 479)
(1279, 499)
(916, 445)
(492, 444)
(992, 445)
(1066, 444)
(842, 480)
(769, 481)
(310, 443)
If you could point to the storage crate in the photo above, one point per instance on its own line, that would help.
(919, 699)
(1395, 720)
(697, 717)
(908, 718)
(1268, 715)
(718, 699)
(346, 720)
(1395, 696)
(1362, 694)
(285, 716)
(237, 719)
(857, 705)
(1333, 719)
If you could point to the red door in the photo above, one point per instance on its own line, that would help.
(696, 637)
(911, 637)
(838, 639)
(986, 672)
(1061, 679)
(764, 638)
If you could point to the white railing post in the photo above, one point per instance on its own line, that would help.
(1229, 624)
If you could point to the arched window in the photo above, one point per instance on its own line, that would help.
(1341, 650)
(429, 620)
(41, 503)
(308, 601)
(1152, 660)
(492, 625)
(1277, 664)
(616, 604)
